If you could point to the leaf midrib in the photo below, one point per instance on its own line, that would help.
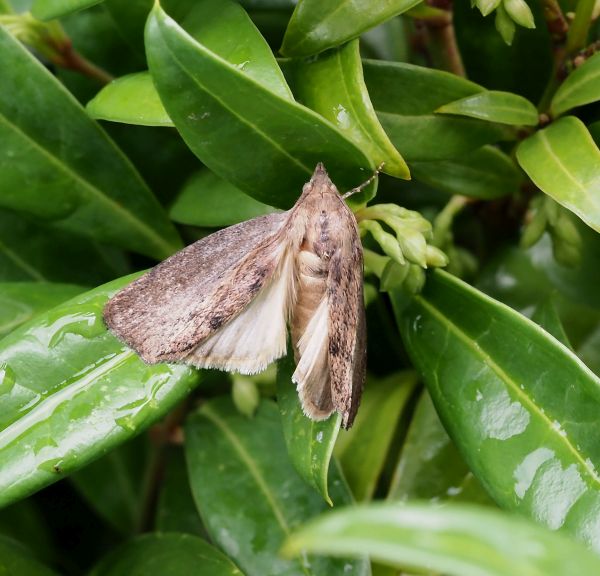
(504, 377)
(96, 192)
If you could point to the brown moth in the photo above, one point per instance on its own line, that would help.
(226, 301)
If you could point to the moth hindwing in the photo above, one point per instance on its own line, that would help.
(227, 300)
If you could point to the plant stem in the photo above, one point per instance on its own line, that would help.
(578, 31)
(73, 60)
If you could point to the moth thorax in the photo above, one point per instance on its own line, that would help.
(311, 289)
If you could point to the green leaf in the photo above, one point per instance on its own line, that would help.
(317, 25)
(21, 301)
(546, 315)
(456, 540)
(160, 554)
(405, 98)
(333, 86)
(175, 509)
(113, 486)
(523, 68)
(582, 86)
(435, 137)
(562, 160)
(362, 450)
(49, 9)
(130, 99)
(70, 174)
(409, 90)
(70, 391)
(430, 466)
(309, 444)
(494, 106)
(16, 559)
(223, 113)
(32, 252)
(257, 499)
(518, 404)
(209, 201)
(486, 174)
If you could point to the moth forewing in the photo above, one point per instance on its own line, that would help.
(226, 301)
(168, 312)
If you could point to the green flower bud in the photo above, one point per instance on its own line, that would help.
(393, 276)
(414, 247)
(245, 395)
(520, 12)
(435, 257)
(505, 25)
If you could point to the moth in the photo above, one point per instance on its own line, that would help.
(227, 300)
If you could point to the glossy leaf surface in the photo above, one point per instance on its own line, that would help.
(16, 559)
(49, 9)
(406, 97)
(73, 175)
(217, 107)
(486, 174)
(494, 106)
(317, 25)
(580, 87)
(522, 416)
(21, 301)
(115, 486)
(454, 540)
(564, 162)
(333, 85)
(70, 391)
(257, 499)
(209, 201)
(363, 449)
(131, 99)
(309, 443)
(171, 553)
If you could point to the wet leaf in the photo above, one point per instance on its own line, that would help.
(16, 559)
(522, 416)
(159, 554)
(363, 449)
(70, 391)
(333, 86)
(222, 112)
(70, 173)
(580, 87)
(564, 162)
(115, 485)
(131, 99)
(494, 106)
(546, 315)
(456, 540)
(486, 174)
(317, 25)
(209, 201)
(21, 301)
(309, 443)
(49, 9)
(257, 499)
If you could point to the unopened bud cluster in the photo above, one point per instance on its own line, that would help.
(404, 237)
(545, 215)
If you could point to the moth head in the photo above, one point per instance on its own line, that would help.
(320, 183)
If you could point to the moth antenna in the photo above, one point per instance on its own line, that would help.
(364, 184)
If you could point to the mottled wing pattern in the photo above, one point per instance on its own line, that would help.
(347, 338)
(167, 313)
